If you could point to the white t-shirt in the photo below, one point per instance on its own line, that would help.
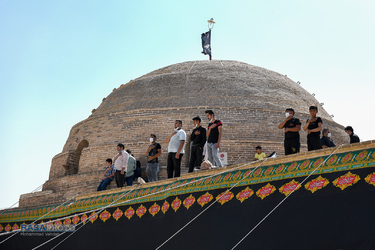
(121, 161)
(175, 141)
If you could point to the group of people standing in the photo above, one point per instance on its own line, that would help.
(313, 126)
(205, 144)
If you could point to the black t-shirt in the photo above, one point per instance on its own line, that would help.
(326, 141)
(214, 134)
(314, 125)
(354, 138)
(198, 139)
(292, 123)
(154, 151)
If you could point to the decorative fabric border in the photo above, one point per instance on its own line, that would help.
(316, 184)
(338, 162)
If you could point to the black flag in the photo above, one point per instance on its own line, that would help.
(206, 43)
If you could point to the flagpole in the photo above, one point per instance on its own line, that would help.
(211, 24)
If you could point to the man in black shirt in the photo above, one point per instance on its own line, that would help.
(326, 140)
(292, 127)
(153, 152)
(198, 139)
(214, 133)
(353, 137)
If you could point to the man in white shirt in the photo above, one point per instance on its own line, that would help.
(175, 150)
(120, 163)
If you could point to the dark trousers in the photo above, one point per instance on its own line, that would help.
(119, 178)
(196, 156)
(103, 184)
(129, 180)
(137, 172)
(292, 146)
(313, 143)
(174, 165)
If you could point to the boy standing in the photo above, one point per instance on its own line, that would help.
(313, 127)
(198, 139)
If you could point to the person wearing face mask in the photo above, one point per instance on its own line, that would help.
(176, 145)
(198, 139)
(326, 140)
(153, 152)
(292, 127)
(214, 134)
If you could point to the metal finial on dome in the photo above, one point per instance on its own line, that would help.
(211, 23)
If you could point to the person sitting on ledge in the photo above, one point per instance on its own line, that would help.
(108, 175)
(326, 140)
(259, 155)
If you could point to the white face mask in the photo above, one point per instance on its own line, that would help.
(176, 129)
(287, 115)
(211, 120)
(151, 140)
(196, 125)
(329, 134)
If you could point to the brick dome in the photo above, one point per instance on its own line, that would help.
(250, 101)
(210, 83)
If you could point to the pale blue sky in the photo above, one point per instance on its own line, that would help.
(59, 59)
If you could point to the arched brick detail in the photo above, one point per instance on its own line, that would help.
(72, 165)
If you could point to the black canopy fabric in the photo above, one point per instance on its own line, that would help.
(330, 209)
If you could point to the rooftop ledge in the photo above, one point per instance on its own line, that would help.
(269, 162)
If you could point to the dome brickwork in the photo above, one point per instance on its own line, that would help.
(249, 100)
